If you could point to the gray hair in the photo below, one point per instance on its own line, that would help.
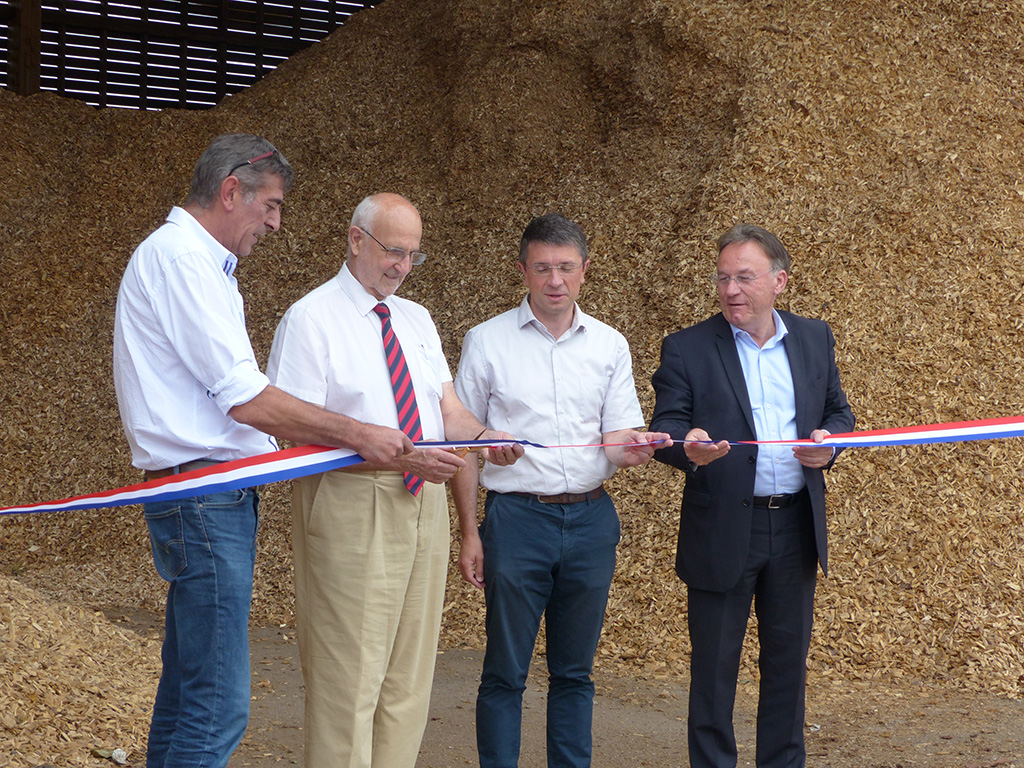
(773, 247)
(553, 229)
(366, 212)
(230, 154)
(365, 215)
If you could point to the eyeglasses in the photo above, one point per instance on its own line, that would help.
(564, 269)
(743, 281)
(398, 254)
(256, 159)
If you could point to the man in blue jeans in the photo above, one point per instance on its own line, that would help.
(551, 374)
(191, 395)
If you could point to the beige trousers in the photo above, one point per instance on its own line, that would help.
(370, 568)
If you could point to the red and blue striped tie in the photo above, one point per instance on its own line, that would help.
(401, 383)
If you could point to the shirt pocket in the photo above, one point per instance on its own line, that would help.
(427, 374)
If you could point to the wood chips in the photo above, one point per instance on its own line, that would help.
(880, 141)
(72, 682)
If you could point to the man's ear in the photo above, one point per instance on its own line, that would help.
(355, 240)
(522, 269)
(781, 280)
(230, 192)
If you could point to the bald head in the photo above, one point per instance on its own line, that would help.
(382, 225)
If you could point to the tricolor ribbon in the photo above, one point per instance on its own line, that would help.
(311, 459)
(951, 432)
(227, 476)
(233, 475)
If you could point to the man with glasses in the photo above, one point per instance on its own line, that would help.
(191, 395)
(371, 544)
(752, 526)
(552, 374)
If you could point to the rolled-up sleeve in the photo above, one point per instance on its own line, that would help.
(241, 385)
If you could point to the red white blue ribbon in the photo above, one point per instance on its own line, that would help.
(311, 459)
(951, 432)
(233, 475)
(227, 476)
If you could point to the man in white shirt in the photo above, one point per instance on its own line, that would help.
(191, 394)
(371, 545)
(551, 374)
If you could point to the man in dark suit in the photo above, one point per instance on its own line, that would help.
(752, 526)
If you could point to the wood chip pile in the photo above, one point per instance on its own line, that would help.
(880, 141)
(72, 682)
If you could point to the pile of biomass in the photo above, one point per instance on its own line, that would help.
(880, 141)
(72, 682)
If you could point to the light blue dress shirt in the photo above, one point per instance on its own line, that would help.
(770, 388)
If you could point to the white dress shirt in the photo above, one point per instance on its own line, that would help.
(516, 377)
(328, 351)
(773, 403)
(182, 356)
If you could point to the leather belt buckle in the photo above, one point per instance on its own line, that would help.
(778, 500)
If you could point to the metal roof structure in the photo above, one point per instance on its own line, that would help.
(156, 54)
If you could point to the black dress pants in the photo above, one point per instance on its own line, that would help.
(779, 578)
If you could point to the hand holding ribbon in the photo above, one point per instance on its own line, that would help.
(434, 465)
(815, 458)
(633, 448)
(504, 449)
(701, 449)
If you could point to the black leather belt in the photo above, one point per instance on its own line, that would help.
(564, 498)
(156, 474)
(779, 500)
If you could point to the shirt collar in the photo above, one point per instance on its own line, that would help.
(525, 316)
(363, 300)
(226, 260)
(780, 332)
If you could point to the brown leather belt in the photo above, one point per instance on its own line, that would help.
(156, 474)
(564, 498)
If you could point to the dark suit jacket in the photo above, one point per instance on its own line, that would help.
(700, 384)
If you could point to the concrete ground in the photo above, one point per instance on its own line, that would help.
(641, 724)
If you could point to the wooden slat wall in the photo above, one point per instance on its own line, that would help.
(155, 54)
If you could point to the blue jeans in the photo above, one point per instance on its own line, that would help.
(555, 560)
(205, 547)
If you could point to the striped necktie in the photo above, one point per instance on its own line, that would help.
(401, 383)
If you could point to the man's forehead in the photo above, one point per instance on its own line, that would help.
(560, 251)
(746, 251)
